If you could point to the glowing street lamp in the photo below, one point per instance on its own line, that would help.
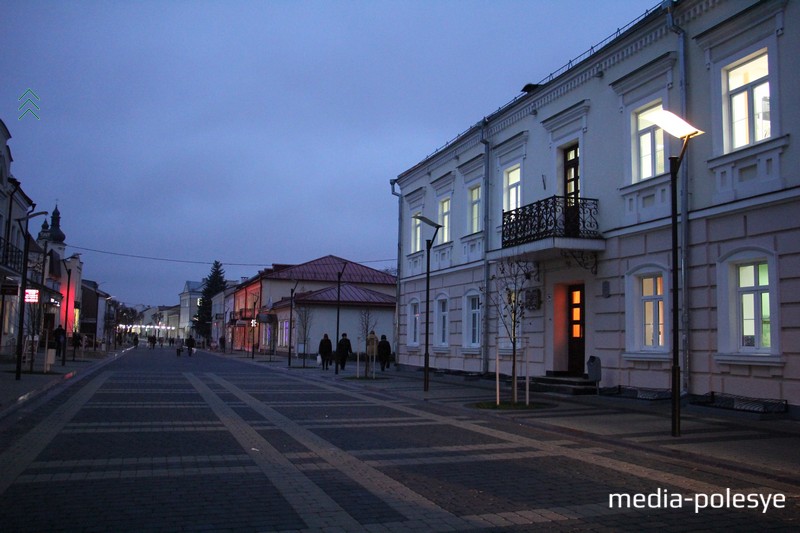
(677, 127)
(428, 245)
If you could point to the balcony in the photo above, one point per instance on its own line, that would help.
(11, 256)
(554, 217)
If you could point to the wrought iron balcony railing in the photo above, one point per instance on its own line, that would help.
(11, 256)
(557, 216)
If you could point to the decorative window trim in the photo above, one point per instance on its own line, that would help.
(437, 316)
(467, 324)
(568, 121)
(410, 341)
(444, 184)
(728, 345)
(634, 325)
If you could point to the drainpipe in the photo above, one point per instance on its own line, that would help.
(396, 331)
(684, 182)
(487, 149)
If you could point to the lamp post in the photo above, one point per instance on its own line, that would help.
(338, 307)
(428, 245)
(677, 127)
(291, 313)
(23, 286)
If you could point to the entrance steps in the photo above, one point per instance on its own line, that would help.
(562, 383)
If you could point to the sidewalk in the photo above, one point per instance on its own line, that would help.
(16, 393)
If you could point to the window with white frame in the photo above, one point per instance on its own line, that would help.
(748, 100)
(472, 321)
(649, 144)
(512, 193)
(474, 222)
(652, 294)
(753, 306)
(442, 322)
(416, 234)
(444, 220)
(413, 323)
(647, 320)
(283, 339)
(748, 308)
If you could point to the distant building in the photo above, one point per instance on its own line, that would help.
(190, 299)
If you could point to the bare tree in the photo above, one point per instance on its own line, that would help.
(367, 323)
(512, 276)
(305, 317)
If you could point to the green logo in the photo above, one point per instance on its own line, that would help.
(28, 104)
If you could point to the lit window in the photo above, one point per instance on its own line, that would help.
(442, 330)
(650, 144)
(473, 329)
(653, 311)
(444, 221)
(475, 209)
(749, 102)
(513, 189)
(754, 310)
(416, 234)
(413, 323)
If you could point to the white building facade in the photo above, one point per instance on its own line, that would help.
(572, 178)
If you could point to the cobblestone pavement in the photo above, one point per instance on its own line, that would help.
(152, 442)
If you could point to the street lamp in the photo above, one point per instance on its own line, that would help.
(291, 312)
(24, 285)
(428, 245)
(338, 308)
(677, 127)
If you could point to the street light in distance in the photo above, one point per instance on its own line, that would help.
(428, 245)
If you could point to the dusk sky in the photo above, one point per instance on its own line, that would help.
(175, 133)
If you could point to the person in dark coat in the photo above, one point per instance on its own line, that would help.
(190, 344)
(61, 341)
(343, 350)
(325, 351)
(384, 352)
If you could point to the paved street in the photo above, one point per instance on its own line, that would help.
(151, 442)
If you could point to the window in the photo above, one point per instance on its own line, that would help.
(512, 199)
(444, 221)
(284, 333)
(442, 322)
(413, 323)
(472, 329)
(748, 101)
(647, 318)
(650, 144)
(474, 222)
(748, 308)
(652, 287)
(416, 234)
(753, 306)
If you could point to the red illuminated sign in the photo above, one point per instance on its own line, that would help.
(31, 296)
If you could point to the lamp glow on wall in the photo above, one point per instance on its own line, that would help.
(677, 127)
(428, 245)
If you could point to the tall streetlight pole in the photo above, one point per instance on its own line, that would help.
(338, 307)
(428, 245)
(66, 315)
(291, 313)
(23, 286)
(677, 127)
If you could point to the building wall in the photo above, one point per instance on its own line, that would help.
(739, 206)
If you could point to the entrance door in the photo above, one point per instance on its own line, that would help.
(576, 324)
(572, 192)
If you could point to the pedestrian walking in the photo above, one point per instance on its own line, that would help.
(179, 347)
(190, 344)
(384, 353)
(61, 341)
(325, 351)
(372, 351)
(343, 350)
(135, 340)
(77, 342)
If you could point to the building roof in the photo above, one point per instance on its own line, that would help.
(327, 268)
(350, 295)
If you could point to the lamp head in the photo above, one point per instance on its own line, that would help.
(427, 221)
(673, 124)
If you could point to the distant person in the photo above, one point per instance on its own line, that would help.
(61, 341)
(325, 351)
(384, 353)
(343, 350)
(77, 342)
(190, 344)
(135, 340)
(179, 347)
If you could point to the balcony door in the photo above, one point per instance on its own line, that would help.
(572, 191)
